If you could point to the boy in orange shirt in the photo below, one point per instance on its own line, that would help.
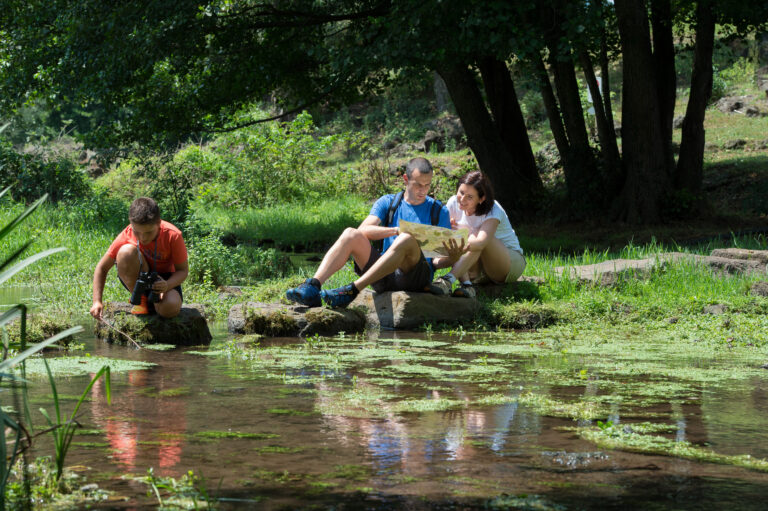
(148, 244)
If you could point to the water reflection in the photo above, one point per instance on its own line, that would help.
(134, 420)
(478, 451)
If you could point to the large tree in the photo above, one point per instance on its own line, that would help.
(164, 69)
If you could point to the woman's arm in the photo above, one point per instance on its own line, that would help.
(484, 234)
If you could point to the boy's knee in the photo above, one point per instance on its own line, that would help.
(128, 252)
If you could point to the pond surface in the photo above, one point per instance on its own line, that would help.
(416, 421)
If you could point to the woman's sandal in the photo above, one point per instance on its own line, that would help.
(465, 291)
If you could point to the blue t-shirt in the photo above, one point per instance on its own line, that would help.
(421, 214)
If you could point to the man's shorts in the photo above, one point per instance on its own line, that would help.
(165, 275)
(416, 279)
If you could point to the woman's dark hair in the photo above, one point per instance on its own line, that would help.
(484, 189)
(144, 211)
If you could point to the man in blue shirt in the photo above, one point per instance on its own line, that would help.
(400, 266)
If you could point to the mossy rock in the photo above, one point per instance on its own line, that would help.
(40, 328)
(189, 328)
(523, 316)
(276, 320)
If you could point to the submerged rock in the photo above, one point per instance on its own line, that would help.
(189, 328)
(278, 320)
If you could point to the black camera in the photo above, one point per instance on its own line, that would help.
(144, 287)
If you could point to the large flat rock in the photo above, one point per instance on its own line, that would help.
(409, 310)
(741, 253)
(189, 328)
(278, 320)
(724, 261)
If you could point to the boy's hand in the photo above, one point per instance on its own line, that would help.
(96, 309)
(454, 225)
(160, 285)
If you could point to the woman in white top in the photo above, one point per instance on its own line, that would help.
(494, 252)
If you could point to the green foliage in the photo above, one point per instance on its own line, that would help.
(271, 163)
(33, 176)
(63, 429)
(186, 492)
(12, 430)
(212, 263)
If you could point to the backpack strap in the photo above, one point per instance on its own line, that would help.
(392, 208)
(379, 244)
(437, 207)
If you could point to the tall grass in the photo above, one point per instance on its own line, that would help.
(289, 225)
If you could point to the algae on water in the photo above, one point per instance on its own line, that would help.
(77, 366)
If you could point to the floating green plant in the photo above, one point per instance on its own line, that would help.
(76, 366)
(235, 434)
(278, 449)
(288, 411)
(615, 437)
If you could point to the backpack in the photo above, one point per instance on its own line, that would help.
(434, 214)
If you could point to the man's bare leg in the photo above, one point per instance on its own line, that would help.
(404, 254)
(351, 243)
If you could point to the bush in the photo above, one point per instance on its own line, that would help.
(214, 264)
(270, 163)
(34, 176)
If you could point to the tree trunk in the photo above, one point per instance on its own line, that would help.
(648, 179)
(585, 188)
(514, 191)
(553, 111)
(605, 132)
(508, 118)
(690, 166)
(666, 79)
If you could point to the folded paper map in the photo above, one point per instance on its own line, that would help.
(431, 237)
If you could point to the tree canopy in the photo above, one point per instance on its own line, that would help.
(162, 70)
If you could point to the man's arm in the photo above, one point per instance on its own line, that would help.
(373, 231)
(99, 279)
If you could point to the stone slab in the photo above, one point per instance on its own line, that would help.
(741, 253)
(189, 328)
(607, 273)
(409, 310)
(278, 320)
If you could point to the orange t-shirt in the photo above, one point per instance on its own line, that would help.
(163, 254)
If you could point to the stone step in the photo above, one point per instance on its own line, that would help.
(726, 261)
(189, 328)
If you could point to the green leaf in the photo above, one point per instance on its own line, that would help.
(13, 270)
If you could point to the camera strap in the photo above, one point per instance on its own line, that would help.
(153, 258)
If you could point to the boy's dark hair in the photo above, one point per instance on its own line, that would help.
(144, 211)
(420, 164)
(484, 189)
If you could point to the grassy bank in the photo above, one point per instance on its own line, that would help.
(60, 285)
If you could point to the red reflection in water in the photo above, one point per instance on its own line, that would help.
(140, 425)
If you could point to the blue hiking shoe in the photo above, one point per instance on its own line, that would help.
(339, 297)
(307, 293)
